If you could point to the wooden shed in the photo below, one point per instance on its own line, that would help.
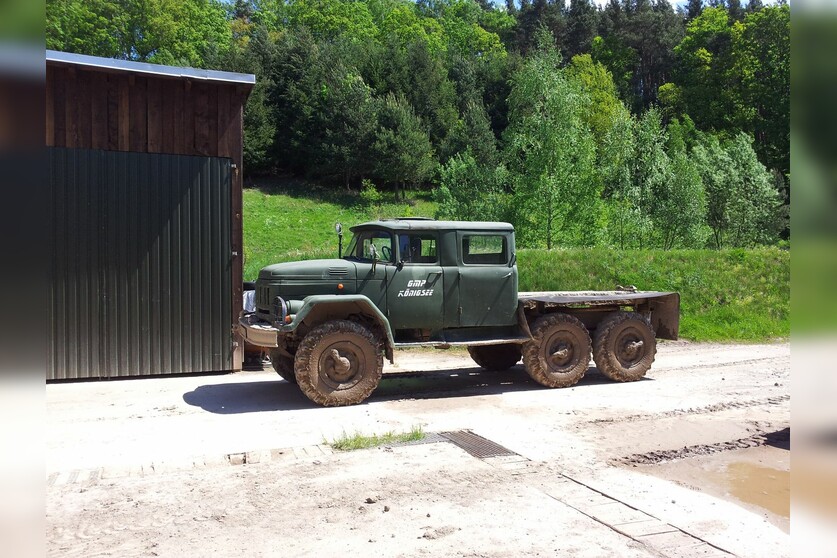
(145, 167)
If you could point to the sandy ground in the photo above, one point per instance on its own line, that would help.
(691, 461)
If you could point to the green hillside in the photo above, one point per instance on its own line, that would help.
(287, 220)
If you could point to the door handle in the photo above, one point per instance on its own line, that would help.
(433, 275)
(507, 275)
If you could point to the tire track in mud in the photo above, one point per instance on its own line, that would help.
(779, 438)
(714, 408)
(723, 364)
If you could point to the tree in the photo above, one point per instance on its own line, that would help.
(180, 32)
(693, 9)
(754, 6)
(470, 191)
(650, 169)
(615, 159)
(679, 209)
(551, 154)
(347, 120)
(473, 135)
(704, 75)
(582, 21)
(328, 19)
(743, 208)
(597, 85)
(402, 148)
(761, 50)
(735, 9)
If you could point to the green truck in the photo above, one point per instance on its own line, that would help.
(328, 324)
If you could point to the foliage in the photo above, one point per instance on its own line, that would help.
(541, 112)
(743, 206)
(551, 155)
(180, 32)
(471, 192)
(402, 148)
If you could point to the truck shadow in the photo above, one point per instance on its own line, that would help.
(279, 395)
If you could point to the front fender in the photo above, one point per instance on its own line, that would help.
(322, 308)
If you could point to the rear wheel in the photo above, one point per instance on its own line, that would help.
(339, 363)
(624, 346)
(559, 353)
(495, 357)
(283, 365)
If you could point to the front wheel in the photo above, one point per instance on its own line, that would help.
(283, 365)
(559, 353)
(624, 346)
(339, 363)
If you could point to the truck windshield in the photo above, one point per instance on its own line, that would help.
(366, 243)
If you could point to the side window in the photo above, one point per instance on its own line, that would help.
(417, 248)
(484, 249)
(382, 242)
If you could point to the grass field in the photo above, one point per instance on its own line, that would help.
(286, 220)
(727, 295)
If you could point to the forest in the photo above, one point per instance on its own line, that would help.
(632, 124)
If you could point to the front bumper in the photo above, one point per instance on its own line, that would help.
(257, 331)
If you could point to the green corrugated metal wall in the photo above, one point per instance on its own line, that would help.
(140, 270)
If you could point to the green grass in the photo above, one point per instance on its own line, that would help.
(356, 441)
(727, 295)
(287, 220)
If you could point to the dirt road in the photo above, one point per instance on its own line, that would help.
(692, 461)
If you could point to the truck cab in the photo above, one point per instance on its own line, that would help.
(434, 281)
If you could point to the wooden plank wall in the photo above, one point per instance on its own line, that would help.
(119, 111)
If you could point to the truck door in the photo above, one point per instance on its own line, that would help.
(415, 293)
(372, 279)
(487, 283)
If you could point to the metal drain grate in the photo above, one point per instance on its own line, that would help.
(476, 445)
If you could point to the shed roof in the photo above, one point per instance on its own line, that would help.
(129, 66)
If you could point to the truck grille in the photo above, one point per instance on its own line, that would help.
(263, 296)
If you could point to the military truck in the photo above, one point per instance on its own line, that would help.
(328, 324)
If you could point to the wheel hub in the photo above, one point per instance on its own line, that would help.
(631, 348)
(559, 354)
(340, 365)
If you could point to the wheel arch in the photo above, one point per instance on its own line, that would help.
(323, 308)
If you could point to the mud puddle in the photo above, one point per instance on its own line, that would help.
(755, 478)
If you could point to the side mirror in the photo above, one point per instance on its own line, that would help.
(374, 253)
(338, 228)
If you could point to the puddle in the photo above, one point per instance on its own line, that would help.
(765, 487)
(757, 479)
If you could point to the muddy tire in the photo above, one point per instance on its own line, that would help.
(559, 354)
(495, 357)
(283, 365)
(339, 363)
(624, 346)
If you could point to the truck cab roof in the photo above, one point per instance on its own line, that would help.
(424, 224)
